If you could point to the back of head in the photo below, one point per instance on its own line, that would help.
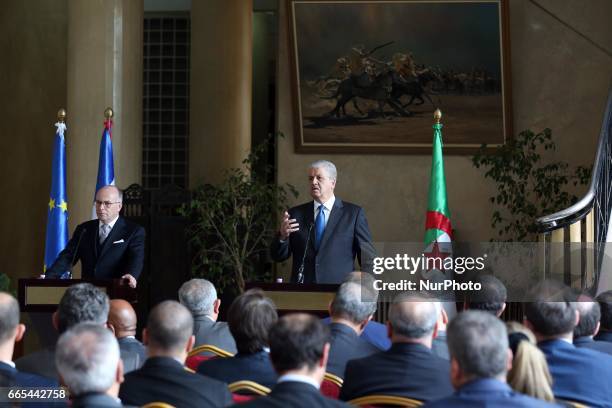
(169, 327)
(551, 311)
(86, 358)
(122, 318)
(297, 341)
(413, 317)
(491, 297)
(354, 302)
(605, 303)
(590, 313)
(478, 341)
(198, 295)
(9, 317)
(529, 373)
(250, 318)
(81, 303)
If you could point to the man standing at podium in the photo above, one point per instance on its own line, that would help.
(324, 235)
(110, 247)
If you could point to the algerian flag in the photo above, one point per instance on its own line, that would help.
(438, 230)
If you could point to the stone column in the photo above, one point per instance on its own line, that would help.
(104, 69)
(221, 82)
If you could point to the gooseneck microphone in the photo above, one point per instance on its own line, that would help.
(300, 277)
(68, 273)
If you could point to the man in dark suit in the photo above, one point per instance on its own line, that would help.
(200, 297)
(350, 310)
(122, 322)
(82, 302)
(250, 318)
(325, 235)
(408, 368)
(588, 326)
(109, 247)
(579, 374)
(11, 331)
(605, 329)
(163, 378)
(299, 347)
(490, 298)
(480, 357)
(88, 362)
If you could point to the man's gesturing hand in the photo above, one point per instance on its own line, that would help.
(288, 226)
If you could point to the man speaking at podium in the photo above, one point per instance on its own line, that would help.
(110, 247)
(325, 235)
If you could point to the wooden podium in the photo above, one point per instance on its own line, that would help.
(43, 295)
(295, 297)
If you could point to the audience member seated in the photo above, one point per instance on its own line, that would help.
(122, 322)
(250, 318)
(480, 358)
(605, 328)
(579, 374)
(588, 326)
(438, 345)
(11, 331)
(529, 373)
(88, 362)
(163, 378)
(350, 310)
(490, 298)
(408, 368)
(80, 303)
(200, 297)
(374, 333)
(299, 350)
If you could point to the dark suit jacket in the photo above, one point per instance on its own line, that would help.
(217, 334)
(166, 380)
(604, 336)
(253, 367)
(40, 362)
(588, 342)
(374, 333)
(346, 345)
(579, 374)
(122, 252)
(439, 346)
(95, 400)
(405, 370)
(24, 379)
(133, 354)
(293, 394)
(346, 236)
(489, 393)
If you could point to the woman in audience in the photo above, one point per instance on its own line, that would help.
(529, 374)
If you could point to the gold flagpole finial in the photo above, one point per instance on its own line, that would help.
(108, 113)
(61, 115)
(438, 116)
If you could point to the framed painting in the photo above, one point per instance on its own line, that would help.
(367, 76)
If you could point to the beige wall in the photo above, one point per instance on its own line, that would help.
(559, 80)
(33, 87)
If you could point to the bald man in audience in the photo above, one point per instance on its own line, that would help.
(480, 358)
(408, 368)
(163, 377)
(299, 348)
(588, 326)
(80, 303)
(200, 297)
(11, 331)
(579, 374)
(122, 322)
(88, 362)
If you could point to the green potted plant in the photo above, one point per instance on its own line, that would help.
(233, 222)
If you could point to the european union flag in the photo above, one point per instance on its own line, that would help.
(57, 220)
(106, 170)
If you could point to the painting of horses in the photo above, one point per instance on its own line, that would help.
(368, 75)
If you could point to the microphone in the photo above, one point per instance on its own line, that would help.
(68, 273)
(300, 277)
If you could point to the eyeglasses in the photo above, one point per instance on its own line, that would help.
(105, 203)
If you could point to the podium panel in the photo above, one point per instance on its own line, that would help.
(295, 297)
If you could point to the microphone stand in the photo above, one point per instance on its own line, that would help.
(68, 273)
(300, 277)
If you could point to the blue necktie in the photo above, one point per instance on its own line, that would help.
(319, 226)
